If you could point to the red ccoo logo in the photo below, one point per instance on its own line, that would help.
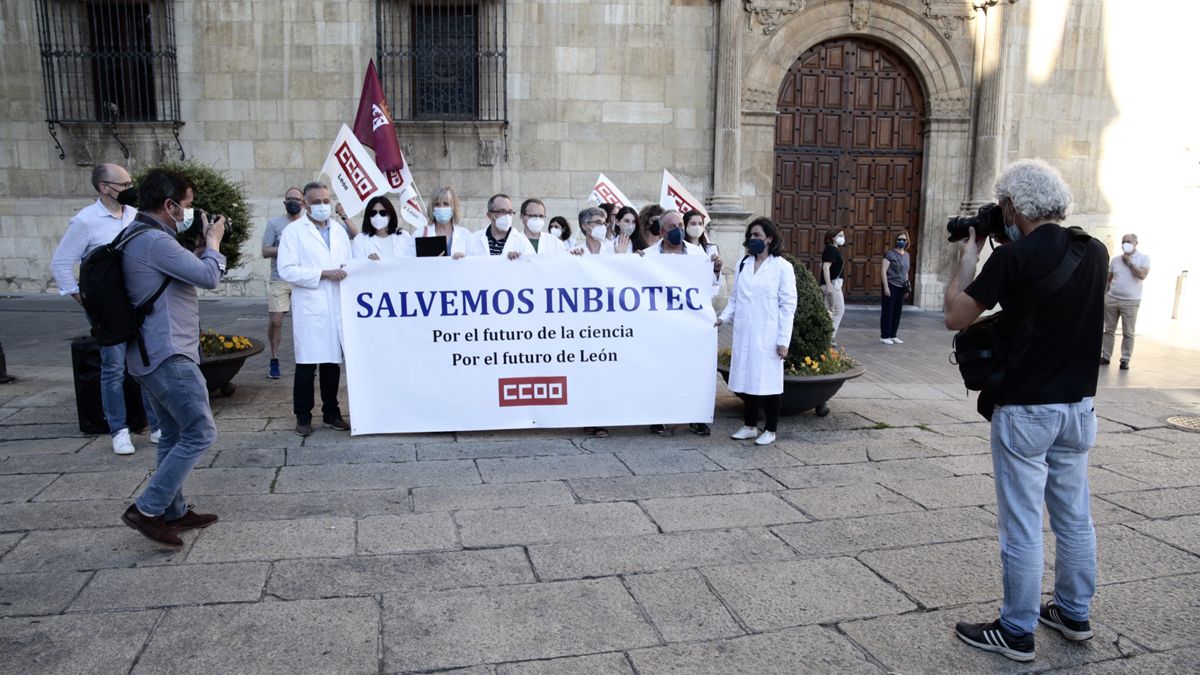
(522, 391)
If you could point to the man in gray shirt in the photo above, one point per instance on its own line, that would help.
(169, 370)
(279, 292)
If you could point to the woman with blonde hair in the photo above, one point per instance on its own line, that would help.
(444, 217)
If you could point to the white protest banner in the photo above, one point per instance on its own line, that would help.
(607, 192)
(434, 344)
(674, 196)
(352, 173)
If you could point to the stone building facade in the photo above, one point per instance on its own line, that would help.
(943, 93)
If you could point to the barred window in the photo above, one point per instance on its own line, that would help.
(108, 61)
(443, 59)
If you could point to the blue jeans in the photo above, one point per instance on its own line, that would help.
(1040, 452)
(112, 390)
(180, 399)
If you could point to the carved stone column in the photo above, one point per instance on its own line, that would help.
(988, 152)
(727, 141)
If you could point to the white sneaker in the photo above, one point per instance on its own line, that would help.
(887, 341)
(897, 341)
(744, 434)
(767, 438)
(155, 435)
(121, 443)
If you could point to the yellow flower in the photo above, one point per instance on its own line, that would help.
(228, 345)
(808, 359)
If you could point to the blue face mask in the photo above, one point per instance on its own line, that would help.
(901, 244)
(675, 236)
(1012, 232)
(756, 246)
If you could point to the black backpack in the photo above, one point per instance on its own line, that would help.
(115, 320)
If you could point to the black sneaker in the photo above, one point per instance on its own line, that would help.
(700, 429)
(337, 423)
(658, 429)
(1075, 631)
(1124, 364)
(1104, 361)
(991, 637)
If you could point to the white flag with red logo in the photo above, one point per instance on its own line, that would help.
(410, 206)
(606, 192)
(352, 172)
(676, 197)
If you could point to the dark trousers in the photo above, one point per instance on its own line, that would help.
(302, 391)
(889, 316)
(768, 404)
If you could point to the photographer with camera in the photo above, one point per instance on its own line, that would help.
(1050, 282)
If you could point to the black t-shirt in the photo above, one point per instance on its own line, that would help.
(1059, 360)
(831, 255)
(495, 246)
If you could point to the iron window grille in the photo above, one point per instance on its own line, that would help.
(443, 60)
(109, 62)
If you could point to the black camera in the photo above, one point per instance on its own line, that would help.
(988, 222)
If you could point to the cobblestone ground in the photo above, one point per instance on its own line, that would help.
(851, 545)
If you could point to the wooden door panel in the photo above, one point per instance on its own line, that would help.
(848, 155)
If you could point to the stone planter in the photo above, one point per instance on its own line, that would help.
(808, 392)
(219, 370)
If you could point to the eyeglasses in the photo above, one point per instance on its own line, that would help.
(124, 186)
(509, 212)
(595, 222)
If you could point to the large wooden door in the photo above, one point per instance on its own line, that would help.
(848, 145)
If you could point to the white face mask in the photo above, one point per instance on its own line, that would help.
(189, 216)
(1127, 247)
(319, 212)
(443, 214)
(503, 223)
(380, 222)
(839, 240)
(598, 232)
(556, 231)
(535, 224)
(627, 228)
(694, 231)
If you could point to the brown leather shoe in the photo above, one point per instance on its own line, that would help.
(193, 520)
(304, 429)
(151, 527)
(338, 423)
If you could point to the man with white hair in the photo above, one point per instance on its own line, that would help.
(1125, 275)
(1043, 422)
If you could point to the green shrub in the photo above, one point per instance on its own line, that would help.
(215, 194)
(811, 352)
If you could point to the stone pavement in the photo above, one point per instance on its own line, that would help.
(851, 545)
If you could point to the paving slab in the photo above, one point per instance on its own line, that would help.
(409, 533)
(524, 469)
(769, 596)
(786, 652)
(1123, 555)
(1161, 503)
(940, 493)
(721, 511)
(86, 460)
(530, 447)
(626, 488)
(465, 627)
(370, 575)
(659, 461)
(169, 585)
(337, 635)
(903, 414)
(1165, 473)
(60, 515)
(375, 476)
(9, 541)
(904, 449)
(250, 458)
(41, 446)
(1104, 455)
(1158, 613)
(749, 456)
(966, 465)
(491, 496)
(74, 643)
(852, 535)
(958, 445)
(229, 482)
(87, 549)
(499, 527)
(829, 453)
(1174, 661)
(851, 474)
(274, 540)
(23, 487)
(86, 486)
(850, 501)
(681, 606)
(321, 455)
(1103, 481)
(1183, 532)
(290, 506)
(656, 552)
(40, 593)
(594, 664)
(890, 640)
(232, 440)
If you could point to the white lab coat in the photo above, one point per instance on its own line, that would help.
(316, 302)
(549, 244)
(762, 307)
(516, 241)
(462, 242)
(689, 249)
(392, 246)
(606, 248)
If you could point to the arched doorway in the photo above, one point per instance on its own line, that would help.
(848, 151)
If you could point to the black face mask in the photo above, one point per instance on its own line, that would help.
(128, 197)
(655, 228)
(292, 208)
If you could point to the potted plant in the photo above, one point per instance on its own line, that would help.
(222, 356)
(814, 370)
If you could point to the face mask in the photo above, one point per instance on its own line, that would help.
(319, 212)
(380, 222)
(756, 246)
(292, 207)
(598, 232)
(675, 236)
(1127, 247)
(443, 214)
(556, 231)
(694, 231)
(901, 244)
(655, 227)
(128, 197)
(181, 226)
(839, 240)
(535, 224)
(627, 228)
(1012, 232)
(189, 217)
(503, 223)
